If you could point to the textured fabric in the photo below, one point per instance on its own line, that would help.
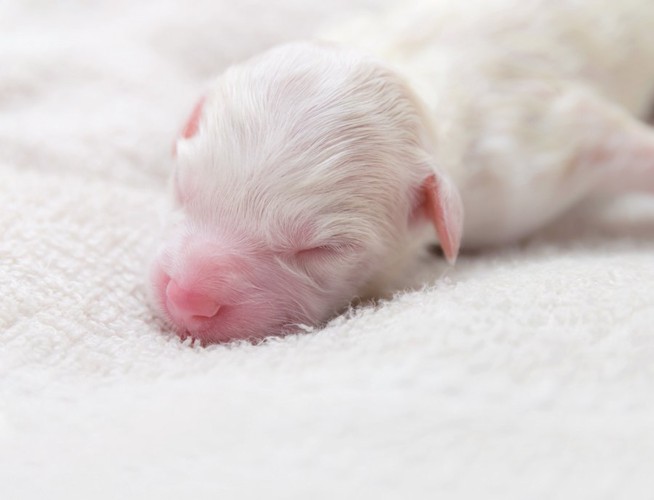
(525, 372)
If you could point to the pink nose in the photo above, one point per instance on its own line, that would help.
(188, 305)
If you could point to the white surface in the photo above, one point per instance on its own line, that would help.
(525, 373)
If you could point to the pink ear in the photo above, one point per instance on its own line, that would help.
(191, 127)
(193, 122)
(442, 205)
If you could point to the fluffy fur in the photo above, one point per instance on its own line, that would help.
(531, 107)
(298, 193)
(312, 162)
(526, 372)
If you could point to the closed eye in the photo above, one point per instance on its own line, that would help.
(317, 251)
(327, 251)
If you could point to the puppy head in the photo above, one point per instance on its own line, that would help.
(299, 179)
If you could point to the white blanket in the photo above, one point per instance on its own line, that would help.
(524, 373)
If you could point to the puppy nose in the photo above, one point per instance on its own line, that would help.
(189, 305)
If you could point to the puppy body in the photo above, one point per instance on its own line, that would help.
(310, 173)
(531, 102)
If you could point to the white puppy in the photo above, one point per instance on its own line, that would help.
(306, 175)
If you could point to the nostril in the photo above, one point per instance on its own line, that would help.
(190, 304)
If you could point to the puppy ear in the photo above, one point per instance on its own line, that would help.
(438, 197)
(192, 123)
(440, 202)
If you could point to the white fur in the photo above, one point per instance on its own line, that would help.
(525, 374)
(307, 146)
(509, 88)
(526, 117)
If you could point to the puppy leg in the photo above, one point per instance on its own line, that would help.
(565, 146)
(623, 155)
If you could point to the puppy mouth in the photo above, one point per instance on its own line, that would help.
(222, 328)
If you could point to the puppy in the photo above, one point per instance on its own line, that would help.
(306, 176)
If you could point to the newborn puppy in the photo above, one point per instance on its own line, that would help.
(306, 176)
(300, 178)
